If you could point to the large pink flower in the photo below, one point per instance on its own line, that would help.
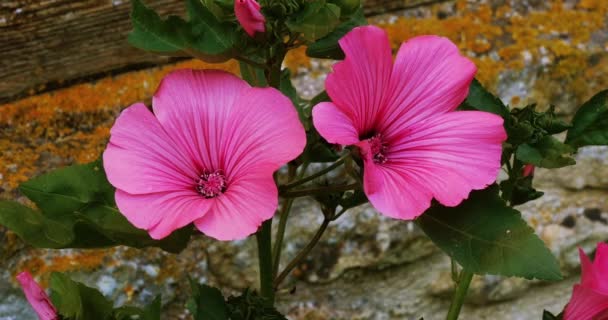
(590, 298)
(207, 155)
(249, 16)
(415, 147)
(37, 298)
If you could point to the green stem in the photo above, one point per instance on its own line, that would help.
(461, 291)
(278, 244)
(302, 254)
(320, 190)
(264, 238)
(315, 175)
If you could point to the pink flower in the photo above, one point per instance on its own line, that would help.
(528, 170)
(590, 298)
(37, 298)
(249, 16)
(206, 155)
(401, 116)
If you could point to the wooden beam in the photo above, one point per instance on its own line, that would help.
(50, 43)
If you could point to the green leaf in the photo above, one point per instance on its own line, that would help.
(548, 152)
(316, 20)
(486, 236)
(207, 303)
(250, 305)
(254, 76)
(152, 33)
(347, 7)
(481, 99)
(150, 312)
(210, 35)
(549, 316)
(75, 301)
(590, 123)
(328, 47)
(77, 210)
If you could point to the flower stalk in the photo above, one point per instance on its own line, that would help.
(461, 292)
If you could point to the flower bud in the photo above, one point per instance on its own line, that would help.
(249, 16)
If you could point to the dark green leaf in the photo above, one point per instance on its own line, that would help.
(152, 33)
(352, 199)
(520, 191)
(207, 303)
(328, 47)
(548, 152)
(78, 211)
(590, 123)
(481, 99)
(254, 76)
(486, 236)
(150, 312)
(210, 36)
(250, 305)
(549, 316)
(75, 301)
(347, 7)
(316, 21)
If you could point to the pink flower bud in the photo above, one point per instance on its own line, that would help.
(249, 16)
(528, 170)
(37, 298)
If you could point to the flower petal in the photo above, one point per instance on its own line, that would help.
(142, 158)
(262, 133)
(593, 275)
(38, 299)
(193, 106)
(357, 85)
(585, 304)
(445, 157)
(162, 213)
(249, 16)
(240, 211)
(333, 124)
(393, 193)
(429, 77)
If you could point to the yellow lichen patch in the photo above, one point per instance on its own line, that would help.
(71, 261)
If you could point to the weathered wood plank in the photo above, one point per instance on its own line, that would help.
(49, 42)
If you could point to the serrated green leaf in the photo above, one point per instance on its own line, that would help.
(548, 152)
(207, 303)
(328, 47)
(482, 100)
(209, 35)
(590, 123)
(316, 21)
(152, 33)
(75, 301)
(486, 236)
(77, 210)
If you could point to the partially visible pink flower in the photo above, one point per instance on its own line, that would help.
(249, 16)
(206, 155)
(401, 116)
(590, 298)
(528, 170)
(37, 298)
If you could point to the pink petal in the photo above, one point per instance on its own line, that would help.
(333, 125)
(444, 157)
(586, 304)
(37, 298)
(393, 193)
(142, 158)
(162, 213)
(262, 133)
(429, 77)
(357, 85)
(193, 106)
(601, 258)
(249, 16)
(240, 211)
(593, 274)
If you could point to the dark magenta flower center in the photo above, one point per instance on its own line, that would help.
(377, 148)
(211, 185)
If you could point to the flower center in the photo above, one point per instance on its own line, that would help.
(210, 185)
(377, 148)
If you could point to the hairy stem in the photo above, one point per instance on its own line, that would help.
(302, 254)
(315, 175)
(320, 190)
(264, 240)
(461, 292)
